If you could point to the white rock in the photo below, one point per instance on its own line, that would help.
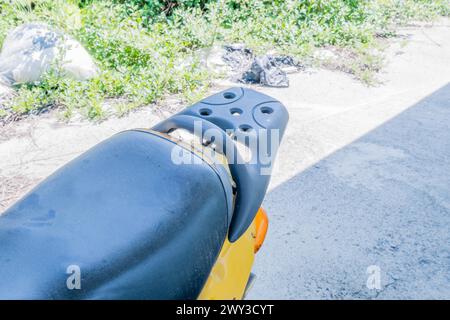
(32, 49)
(5, 90)
(6, 93)
(324, 54)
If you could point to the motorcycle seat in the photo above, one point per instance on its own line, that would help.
(134, 223)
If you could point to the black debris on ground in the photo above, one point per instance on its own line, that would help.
(268, 70)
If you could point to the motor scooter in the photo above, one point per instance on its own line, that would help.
(147, 214)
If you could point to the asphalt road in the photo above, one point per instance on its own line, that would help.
(363, 181)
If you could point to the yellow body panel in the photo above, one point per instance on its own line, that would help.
(230, 274)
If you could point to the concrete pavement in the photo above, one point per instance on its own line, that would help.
(364, 180)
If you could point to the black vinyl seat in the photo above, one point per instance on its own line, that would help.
(137, 225)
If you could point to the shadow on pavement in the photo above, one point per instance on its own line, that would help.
(382, 200)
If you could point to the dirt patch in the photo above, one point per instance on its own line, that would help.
(13, 187)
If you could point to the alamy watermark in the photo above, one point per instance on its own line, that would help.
(243, 146)
(73, 282)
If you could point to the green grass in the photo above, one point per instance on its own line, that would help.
(147, 49)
